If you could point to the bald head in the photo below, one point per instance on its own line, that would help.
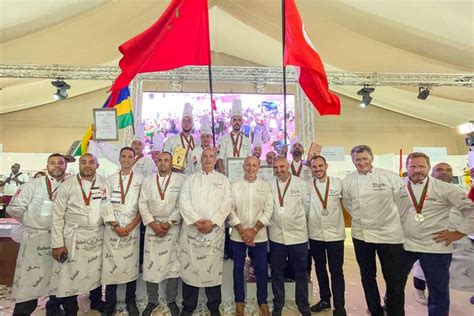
(87, 166)
(442, 171)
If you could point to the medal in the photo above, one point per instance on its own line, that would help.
(324, 201)
(419, 217)
(86, 199)
(281, 197)
(160, 191)
(51, 192)
(122, 193)
(235, 143)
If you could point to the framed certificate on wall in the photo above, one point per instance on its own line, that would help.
(106, 126)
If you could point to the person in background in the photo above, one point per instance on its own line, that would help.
(12, 181)
(206, 142)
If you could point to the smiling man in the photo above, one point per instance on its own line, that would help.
(425, 207)
(369, 196)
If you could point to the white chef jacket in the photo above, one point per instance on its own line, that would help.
(150, 208)
(143, 167)
(370, 199)
(330, 227)
(11, 187)
(440, 198)
(125, 214)
(290, 228)
(175, 141)
(305, 174)
(69, 206)
(227, 149)
(252, 202)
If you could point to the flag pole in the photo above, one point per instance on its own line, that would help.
(283, 22)
(212, 106)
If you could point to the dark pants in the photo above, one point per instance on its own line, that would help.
(419, 284)
(259, 260)
(390, 257)
(436, 269)
(28, 307)
(331, 253)
(191, 295)
(227, 244)
(71, 307)
(111, 295)
(298, 257)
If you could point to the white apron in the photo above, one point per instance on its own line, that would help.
(82, 271)
(33, 266)
(160, 261)
(202, 256)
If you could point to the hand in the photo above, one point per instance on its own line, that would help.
(250, 234)
(447, 236)
(121, 231)
(284, 150)
(57, 252)
(204, 226)
(16, 179)
(157, 228)
(130, 227)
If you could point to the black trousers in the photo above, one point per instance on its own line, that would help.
(391, 259)
(71, 307)
(191, 295)
(28, 307)
(111, 295)
(329, 253)
(419, 284)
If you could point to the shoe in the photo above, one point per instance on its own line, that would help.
(239, 309)
(56, 311)
(264, 311)
(420, 297)
(277, 311)
(174, 309)
(98, 306)
(308, 313)
(132, 309)
(216, 313)
(339, 312)
(320, 306)
(149, 309)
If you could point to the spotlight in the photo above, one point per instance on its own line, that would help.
(61, 92)
(423, 92)
(366, 98)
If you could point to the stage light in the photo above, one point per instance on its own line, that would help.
(423, 92)
(366, 98)
(61, 89)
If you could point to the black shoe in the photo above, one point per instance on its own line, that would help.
(321, 306)
(98, 306)
(132, 309)
(277, 312)
(150, 308)
(56, 311)
(216, 313)
(174, 309)
(339, 312)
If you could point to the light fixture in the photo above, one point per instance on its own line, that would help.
(466, 128)
(423, 92)
(365, 93)
(61, 89)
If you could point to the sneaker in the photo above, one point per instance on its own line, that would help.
(98, 306)
(149, 309)
(420, 297)
(321, 306)
(174, 309)
(132, 309)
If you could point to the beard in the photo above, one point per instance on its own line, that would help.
(297, 153)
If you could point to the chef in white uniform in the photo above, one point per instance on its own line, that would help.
(425, 206)
(206, 142)
(77, 233)
(205, 202)
(235, 144)
(184, 139)
(253, 208)
(288, 236)
(32, 206)
(160, 214)
(326, 236)
(11, 182)
(122, 235)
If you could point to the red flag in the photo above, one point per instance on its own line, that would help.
(180, 37)
(300, 52)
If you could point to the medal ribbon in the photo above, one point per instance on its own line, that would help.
(324, 201)
(282, 197)
(293, 170)
(122, 194)
(87, 199)
(167, 181)
(418, 205)
(190, 142)
(49, 187)
(235, 142)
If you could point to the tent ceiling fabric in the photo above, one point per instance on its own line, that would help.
(382, 36)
